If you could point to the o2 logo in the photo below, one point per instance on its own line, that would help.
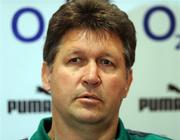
(149, 13)
(15, 28)
(170, 31)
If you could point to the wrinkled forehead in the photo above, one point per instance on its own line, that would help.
(91, 36)
(91, 43)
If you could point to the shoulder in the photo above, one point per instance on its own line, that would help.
(42, 131)
(127, 134)
(145, 136)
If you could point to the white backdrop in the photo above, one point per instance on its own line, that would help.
(153, 103)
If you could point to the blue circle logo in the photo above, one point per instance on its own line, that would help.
(171, 17)
(15, 26)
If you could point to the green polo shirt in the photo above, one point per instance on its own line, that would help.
(122, 133)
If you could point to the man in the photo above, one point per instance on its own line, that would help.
(88, 57)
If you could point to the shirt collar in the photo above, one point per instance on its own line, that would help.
(45, 126)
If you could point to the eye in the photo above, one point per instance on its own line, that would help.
(106, 62)
(76, 60)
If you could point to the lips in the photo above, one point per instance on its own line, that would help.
(89, 97)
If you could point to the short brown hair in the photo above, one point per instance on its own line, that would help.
(94, 15)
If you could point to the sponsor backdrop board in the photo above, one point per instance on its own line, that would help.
(153, 103)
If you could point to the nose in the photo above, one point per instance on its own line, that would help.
(91, 77)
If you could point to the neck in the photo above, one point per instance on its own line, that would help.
(60, 130)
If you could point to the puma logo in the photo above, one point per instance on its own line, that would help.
(174, 88)
(42, 90)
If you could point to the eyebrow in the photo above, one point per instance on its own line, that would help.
(78, 50)
(108, 54)
(74, 50)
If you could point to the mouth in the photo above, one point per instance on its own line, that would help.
(89, 98)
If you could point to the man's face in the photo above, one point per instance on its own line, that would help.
(88, 78)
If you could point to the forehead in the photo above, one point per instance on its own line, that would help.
(99, 36)
(91, 41)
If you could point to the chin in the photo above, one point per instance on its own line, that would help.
(89, 118)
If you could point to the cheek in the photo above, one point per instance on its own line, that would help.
(115, 85)
(62, 86)
(114, 89)
(63, 81)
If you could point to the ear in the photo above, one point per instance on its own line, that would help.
(129, 79)
(45, 76)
